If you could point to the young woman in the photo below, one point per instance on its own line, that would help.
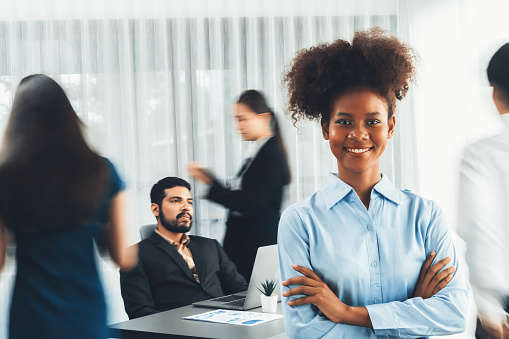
(254, 197)
(56, 195)
(350, 254)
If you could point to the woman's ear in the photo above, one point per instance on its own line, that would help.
(325, 129)
(266, 116)
(392, 125)
(500, 98)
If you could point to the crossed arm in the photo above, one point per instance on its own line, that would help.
(324, 313)
(431, 280)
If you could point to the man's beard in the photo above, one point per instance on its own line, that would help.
(174, 225)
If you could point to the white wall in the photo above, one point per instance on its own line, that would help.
(455, 40)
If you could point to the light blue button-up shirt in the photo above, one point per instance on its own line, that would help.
(370, 258)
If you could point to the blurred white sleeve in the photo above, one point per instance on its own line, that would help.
(481, 225)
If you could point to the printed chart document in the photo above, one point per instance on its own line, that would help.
(235, 317)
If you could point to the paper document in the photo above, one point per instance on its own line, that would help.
(235, 317)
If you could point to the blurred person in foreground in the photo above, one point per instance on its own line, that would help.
(56, 196)
(483, 220)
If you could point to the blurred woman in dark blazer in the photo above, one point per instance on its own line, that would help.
(254, 195)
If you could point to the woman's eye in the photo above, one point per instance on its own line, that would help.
(373, 122)
(343, 122)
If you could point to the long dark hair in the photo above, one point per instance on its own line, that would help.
(49, 177)
(256, 102)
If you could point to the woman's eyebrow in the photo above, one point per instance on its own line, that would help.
(350, 114)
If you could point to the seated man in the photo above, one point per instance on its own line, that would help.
(175, 269)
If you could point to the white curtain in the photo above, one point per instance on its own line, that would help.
(155, 81)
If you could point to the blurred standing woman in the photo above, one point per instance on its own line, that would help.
(55, 196)
(254, 196)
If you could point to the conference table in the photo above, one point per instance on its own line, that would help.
(169, 324)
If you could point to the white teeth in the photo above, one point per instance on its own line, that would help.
(357, 150)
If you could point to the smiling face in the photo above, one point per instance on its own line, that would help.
(357, 131)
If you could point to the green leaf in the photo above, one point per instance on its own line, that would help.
(268, 286)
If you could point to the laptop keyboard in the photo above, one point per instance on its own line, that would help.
(237, 302)
(227, 298)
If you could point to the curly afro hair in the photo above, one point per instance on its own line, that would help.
(374, 59)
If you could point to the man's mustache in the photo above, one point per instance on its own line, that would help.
(180, 215)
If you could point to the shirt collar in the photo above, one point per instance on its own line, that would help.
(335, 189)
(385, 188)
(185, 239)
(255, 146)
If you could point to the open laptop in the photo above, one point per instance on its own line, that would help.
(266, 267)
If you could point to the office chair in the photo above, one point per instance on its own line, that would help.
(147, 230)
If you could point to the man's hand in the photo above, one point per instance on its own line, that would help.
(430, 280)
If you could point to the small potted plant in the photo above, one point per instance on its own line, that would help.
(269, 300)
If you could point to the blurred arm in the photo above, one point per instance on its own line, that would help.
(126, 258)
(256, 196)
(480, 224)
(3, 245)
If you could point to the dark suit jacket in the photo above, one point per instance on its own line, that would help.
(258, 203)
(162, 280)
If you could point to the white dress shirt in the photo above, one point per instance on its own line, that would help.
(483, 221)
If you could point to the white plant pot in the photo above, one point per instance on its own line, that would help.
(269, 304)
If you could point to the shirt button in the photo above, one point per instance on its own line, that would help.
(376, 300)
(370, 227)
(374, 263)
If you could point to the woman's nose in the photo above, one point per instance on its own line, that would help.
(359, 133)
